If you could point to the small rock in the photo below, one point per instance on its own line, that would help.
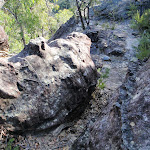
(132, 142)
(132, 124)
(134, 59)
(117, 51)
(118, 105)
(106, 58)
(120, 34)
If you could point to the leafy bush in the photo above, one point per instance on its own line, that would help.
(142, 22)
(103, 75)
(63, 15)
(132, 9)
(10, 145)
(144, 46)
(24, 20)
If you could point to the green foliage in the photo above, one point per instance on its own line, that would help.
(144, 46)
(142, 22)
(24, 20)
(10, 145)
(43, 11)
(63, 15)
(113, 26)
(105, 25)
(103, 75)
(19, 21)
(22, 12)
(64, 4)
(132, 9)
(12, 31)
(53, 26)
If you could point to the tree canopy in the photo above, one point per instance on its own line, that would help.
(24, 20)
(27, 19)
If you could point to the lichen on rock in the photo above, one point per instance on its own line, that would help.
(52, 80)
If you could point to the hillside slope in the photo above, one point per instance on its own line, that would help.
(118, 116)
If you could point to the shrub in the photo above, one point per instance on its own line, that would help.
(132, 9)
(10, 145)
(144, 46)
(142, 22)
(103, 75)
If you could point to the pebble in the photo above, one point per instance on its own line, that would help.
(132, 124)
(106, 58)
(134, 59)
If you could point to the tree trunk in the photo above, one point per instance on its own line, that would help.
(21, 28)
(87, 16)
(42, 31)
(22, 34)
(88, 11)
(80, 15)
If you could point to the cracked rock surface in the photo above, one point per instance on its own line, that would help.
(118, 116)
(45, 83)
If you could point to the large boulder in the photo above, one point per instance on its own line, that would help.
(4, 46)
(125, 122)
(46, 85)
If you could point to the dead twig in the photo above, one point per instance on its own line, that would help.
(2, 132)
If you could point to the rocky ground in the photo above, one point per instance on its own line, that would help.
(109, 36)
(64, 136)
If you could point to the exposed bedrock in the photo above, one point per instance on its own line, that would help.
(45, 84)
(125, 122)
(118, 9)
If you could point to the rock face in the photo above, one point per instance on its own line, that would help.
(118, 9)
(46, 85)
(110, 42)
(8, 79)
(113, 9)
(4, 47)
(124, 123)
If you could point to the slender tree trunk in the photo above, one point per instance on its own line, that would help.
(88, 11)
(141, 8)
(42, 31)
(22, 34)
(87, 16)
(80, 15)
(20, 25)
(21, 29)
